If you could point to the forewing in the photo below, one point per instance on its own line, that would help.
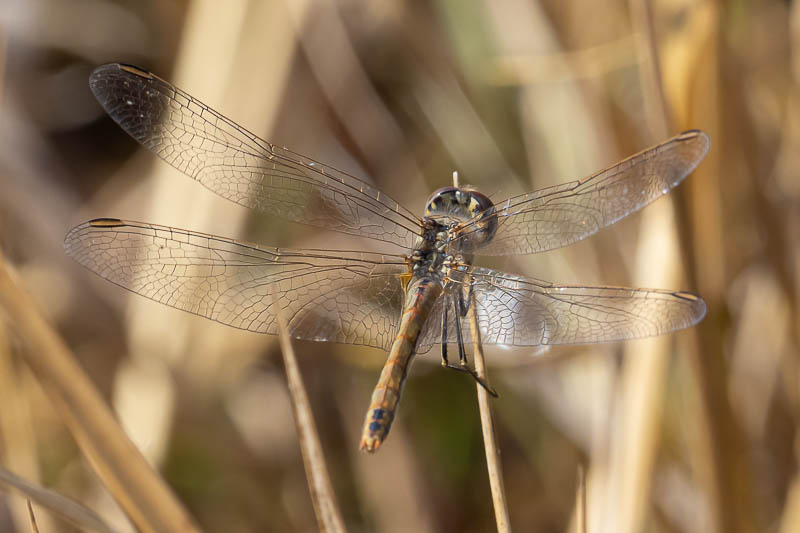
(519, 311)
(241, 167)
(561, 215)
(346, 297)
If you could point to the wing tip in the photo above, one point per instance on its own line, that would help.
(699, 307)
(696, 135)
(110, 68)
(136, 71)
(103, 74)
(691, 133)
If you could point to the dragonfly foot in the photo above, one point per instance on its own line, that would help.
(487, 388)
(475, 376)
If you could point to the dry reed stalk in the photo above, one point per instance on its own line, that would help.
(580, 501)
(202, 66)
(726, 477)
(72, 511)
(329, 518)
(332, 56)
(659, 116)
(640, 406)
(133, 483)
(17, 435)
(34, 526)
(790, 520)
(702, 233)
(563, 66)
(487, 425)
(639, 410)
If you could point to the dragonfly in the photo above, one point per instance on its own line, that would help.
(404, 303)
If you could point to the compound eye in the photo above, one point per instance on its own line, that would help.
(482, 200)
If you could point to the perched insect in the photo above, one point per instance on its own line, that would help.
(402, 303)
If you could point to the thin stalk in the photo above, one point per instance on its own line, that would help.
(72, 511)
(34, 526)
(17, 435)
(790, 519)
(656, 107)
(580, 501)
(487, 425)
(130, 479)
(329, 518)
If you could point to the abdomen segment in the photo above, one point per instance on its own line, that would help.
(420, 296)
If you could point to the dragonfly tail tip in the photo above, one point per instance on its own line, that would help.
(370, 445)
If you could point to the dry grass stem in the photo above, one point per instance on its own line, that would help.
(580, 501)
(34, 526)
(790, 521)
(730, 505)
(487, 425)
(329, 517)
(334, 53)
(138, 489)
(72, 511)
(639, 410)
(696, 431)
(656, 107)
(17, 434)
(564, 66)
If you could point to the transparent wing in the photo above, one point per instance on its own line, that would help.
(519, 311)
(561, 215)
(241, 167)
(349, 297)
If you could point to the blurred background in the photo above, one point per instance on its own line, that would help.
(693, 432)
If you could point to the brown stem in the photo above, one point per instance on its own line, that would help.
(139, 490)
(329, 518)
(487, 425)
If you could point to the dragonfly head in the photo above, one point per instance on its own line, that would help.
(456, 203)
(451, 206)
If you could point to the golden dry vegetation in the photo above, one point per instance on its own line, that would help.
(692, 432)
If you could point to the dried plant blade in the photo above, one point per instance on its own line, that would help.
(329, 517)
(790, 521)
(656, 107)
(17, 434)
(580, 501)
(130, 479)
(72, 511)
(487, 425)
(34, 526)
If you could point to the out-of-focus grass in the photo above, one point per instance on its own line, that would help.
(513, 95)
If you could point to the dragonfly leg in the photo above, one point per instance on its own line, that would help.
(445, 312)
(462, 354)
(444, 332)
(464, 305)
(463, 308)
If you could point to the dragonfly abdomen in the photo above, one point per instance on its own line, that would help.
(420, 296)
